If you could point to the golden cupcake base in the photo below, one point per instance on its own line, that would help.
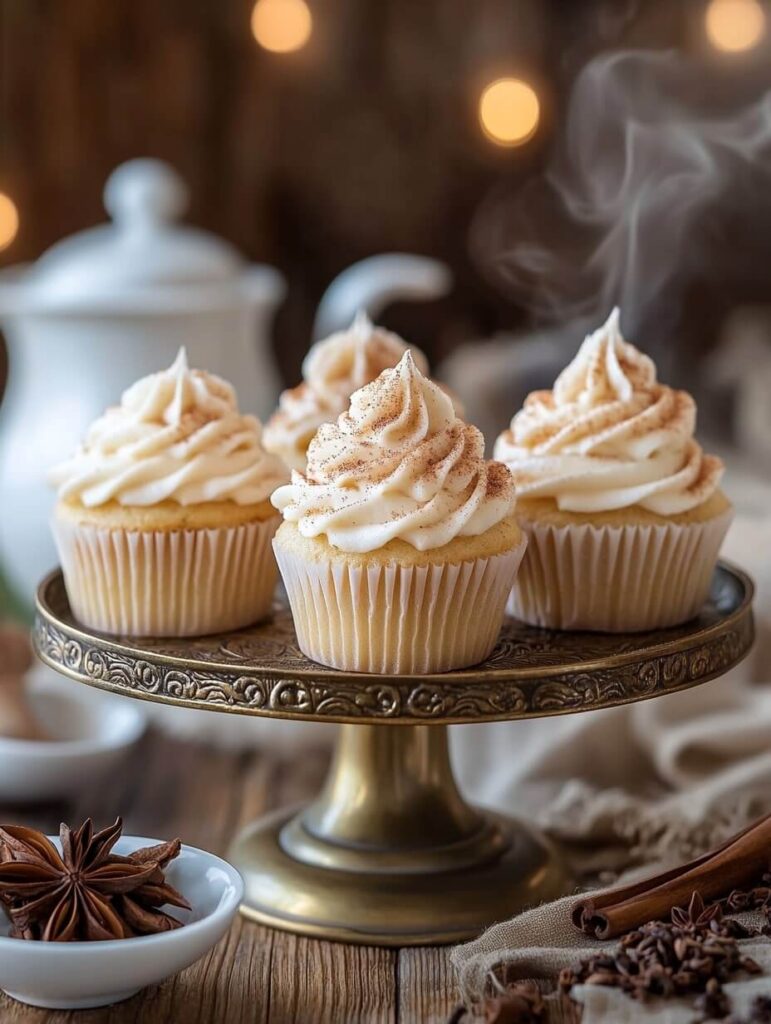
(390, 853)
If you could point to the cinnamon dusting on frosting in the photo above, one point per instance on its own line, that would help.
(332, 370)
(398, 464)
(610, 436)
(176, 436)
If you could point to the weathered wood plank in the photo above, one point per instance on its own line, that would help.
(427, 990)
(331, 983)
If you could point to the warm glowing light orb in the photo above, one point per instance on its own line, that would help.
(735, 25)
(9, 221)
(281, 25)
(509, 111)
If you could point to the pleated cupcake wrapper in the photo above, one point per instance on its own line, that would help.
(394, 619)
(177, 583)
(616, 578)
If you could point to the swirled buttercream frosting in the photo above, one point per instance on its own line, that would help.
(610, 436)
(176, 436)
(332, 370)
(399, 464)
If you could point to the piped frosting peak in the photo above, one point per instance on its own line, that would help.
(399, 464)
(177, 436)
(332, 370)
(609, 435)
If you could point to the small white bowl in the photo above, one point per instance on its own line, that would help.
(91, 732)
(79, 975)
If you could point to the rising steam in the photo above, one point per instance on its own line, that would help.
(618, 217)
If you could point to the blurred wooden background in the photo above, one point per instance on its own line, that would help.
(364, 141)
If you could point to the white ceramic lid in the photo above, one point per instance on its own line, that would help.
(143, 260)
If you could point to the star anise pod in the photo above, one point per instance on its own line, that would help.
(140, 907)
(697, 916)
(86, 892)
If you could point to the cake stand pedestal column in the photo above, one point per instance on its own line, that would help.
(390, 853)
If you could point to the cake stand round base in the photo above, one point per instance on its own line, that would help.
(390, 854)
(392, 909)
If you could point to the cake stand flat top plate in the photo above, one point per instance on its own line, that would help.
(531, 672)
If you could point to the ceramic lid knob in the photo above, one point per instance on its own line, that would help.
(145, 192)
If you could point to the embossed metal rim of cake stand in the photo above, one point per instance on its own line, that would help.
(390, 853)
(261, 671)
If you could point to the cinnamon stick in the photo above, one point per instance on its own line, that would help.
(737, 863)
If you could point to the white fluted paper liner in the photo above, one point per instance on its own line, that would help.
(175, 583)
(394, 619)
(616, 578)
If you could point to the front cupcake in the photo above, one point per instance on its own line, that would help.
(332, 370)
(399, 545)
(622, 509)
(163, 520)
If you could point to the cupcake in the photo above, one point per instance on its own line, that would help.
(332, 370)
(622, 509)
(163, 520)
(399, 543)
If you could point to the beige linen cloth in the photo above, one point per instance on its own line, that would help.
(631, 790)
(539, 943)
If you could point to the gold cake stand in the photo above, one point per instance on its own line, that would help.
(390, 853)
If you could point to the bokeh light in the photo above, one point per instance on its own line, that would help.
(509, 111)
(9, 221)
(735, 25)
(281, 25)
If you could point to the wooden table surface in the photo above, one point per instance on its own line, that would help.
(173, 787)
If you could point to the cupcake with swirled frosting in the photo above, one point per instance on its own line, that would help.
(622, 508)
(332, 370)
(399, 543)
(163, 520)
